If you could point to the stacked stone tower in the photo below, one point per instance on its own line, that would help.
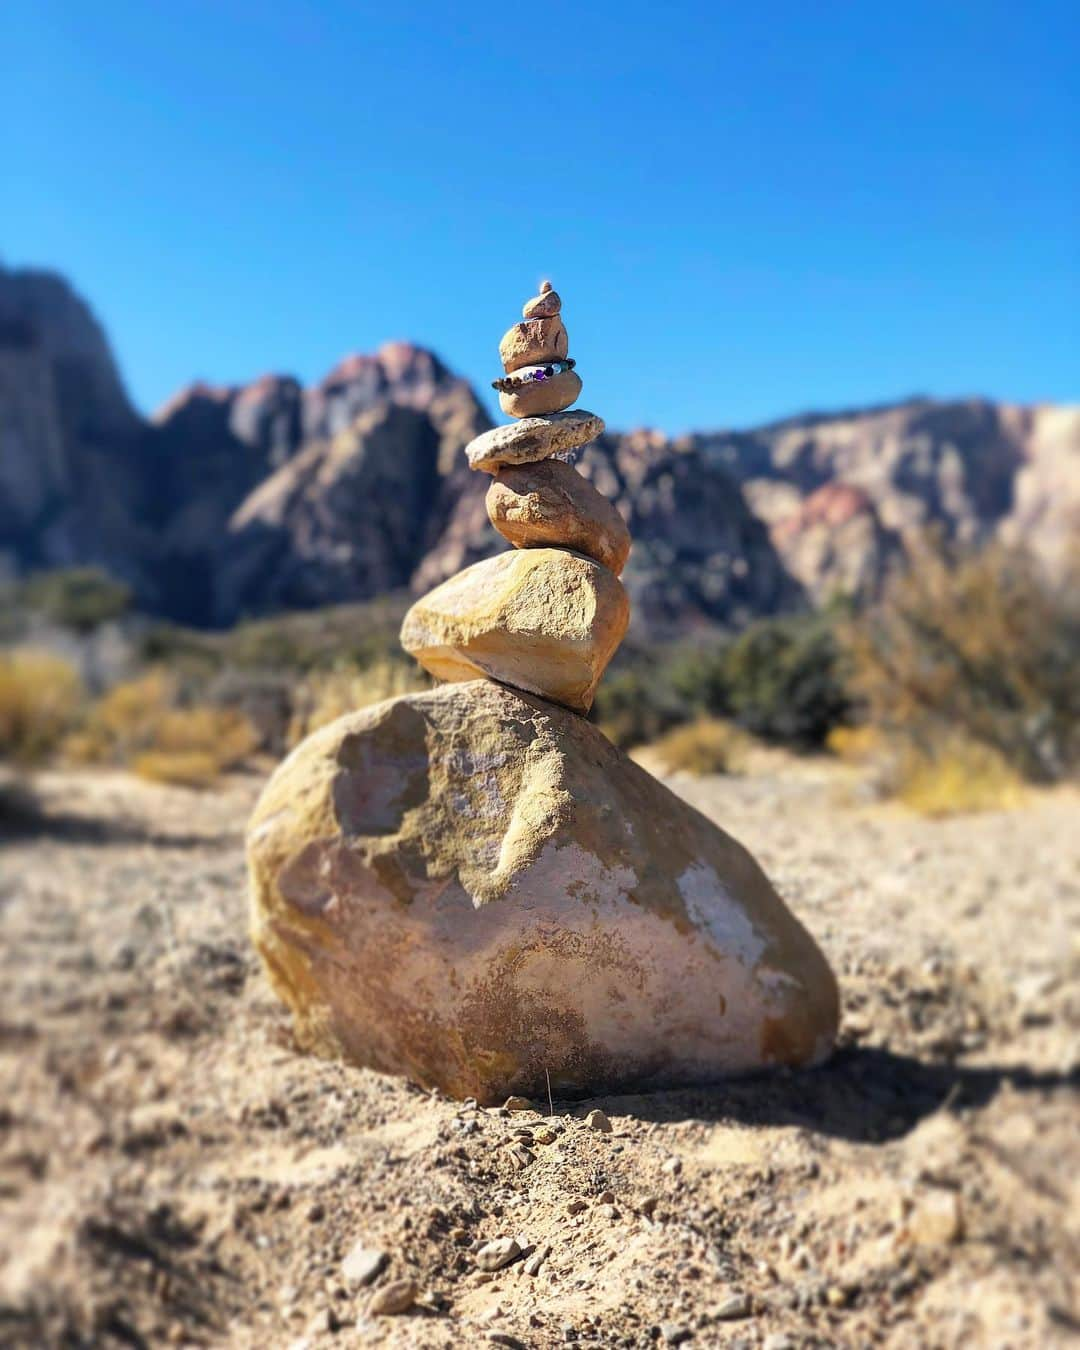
(548, 617)
(471, 885)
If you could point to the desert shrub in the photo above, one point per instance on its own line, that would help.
(785, 680)
(956, 776)
(140, 724)
(40, 696)
(82, 598)
(635, 703)
(980, 647)
(181, 768)
(708, 745)
(324, 696)
(855, 744)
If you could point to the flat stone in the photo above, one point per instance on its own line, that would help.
(551, 503)
(542, 396)
(475, 889)
(541, 619)
(533, 343)
(533, 438)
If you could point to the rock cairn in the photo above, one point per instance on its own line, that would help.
(472, 886)
(548, 618)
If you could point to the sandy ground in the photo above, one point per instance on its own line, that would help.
(173, 1173)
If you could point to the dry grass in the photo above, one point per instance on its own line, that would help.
(708, 745)
(325, 696)
(958, 777)
(40, 697)
(984, 648)
(139, 724)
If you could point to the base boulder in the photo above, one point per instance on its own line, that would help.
(474, 888)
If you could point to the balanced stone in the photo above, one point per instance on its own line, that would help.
(548, 395)
(533, 438)
(550, 503)
(532, 343)
(542, 619)
(476, 889)
(544, 305)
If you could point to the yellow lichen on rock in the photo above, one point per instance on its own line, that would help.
(544, 620)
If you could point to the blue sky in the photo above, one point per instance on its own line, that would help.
(750, 210)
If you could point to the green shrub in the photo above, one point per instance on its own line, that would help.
(785, 680)
(82, 598)
(782, 680)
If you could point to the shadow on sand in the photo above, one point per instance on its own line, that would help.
(862, 1095)
(23, 819)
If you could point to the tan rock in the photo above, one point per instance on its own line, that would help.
(550, 503)
(396, 1297)
(532, 343)
(475, 888)
(936, 1219)
(544, 305)
(545, 396)
(541, 619)
(533, 438)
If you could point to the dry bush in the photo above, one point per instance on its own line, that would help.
(708, 745)
(957, 777)
(968, 668)
(324, 696)
(40, 696)
(139, 724)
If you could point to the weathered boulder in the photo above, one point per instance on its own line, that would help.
(550, 503)
(542, 619)
(475, 888)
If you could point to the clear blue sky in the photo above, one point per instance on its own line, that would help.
(749, 210)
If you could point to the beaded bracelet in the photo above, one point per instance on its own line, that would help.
(531, 375)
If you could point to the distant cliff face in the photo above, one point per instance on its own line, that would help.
(241, 500)
(69, 438)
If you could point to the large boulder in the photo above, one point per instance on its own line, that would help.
(475, 888)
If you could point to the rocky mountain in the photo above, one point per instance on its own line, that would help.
(240, 500)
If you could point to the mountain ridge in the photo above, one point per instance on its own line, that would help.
(234, 500)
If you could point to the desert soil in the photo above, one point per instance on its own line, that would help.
(172, 1172)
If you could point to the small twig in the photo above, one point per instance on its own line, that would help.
(551, 1104)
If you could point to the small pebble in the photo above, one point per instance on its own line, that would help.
(518, 1104)
(674, 1334)
(498, 1253)
(396, 1297)
(362, 1265)
(533, 1264)
(597, 1120)
(733, 1308)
